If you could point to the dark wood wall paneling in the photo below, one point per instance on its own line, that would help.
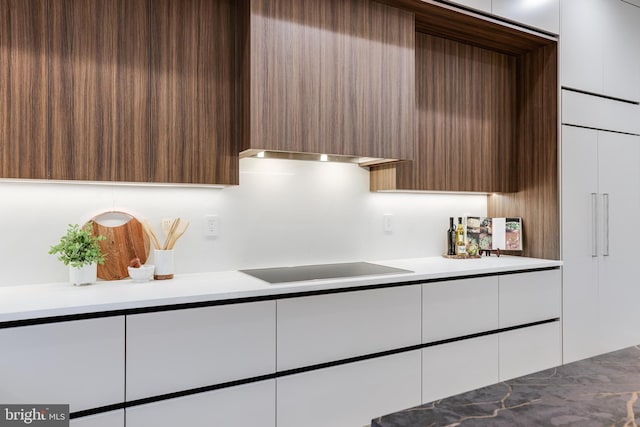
(23, 89)
(537, 199)
(524, 164)
(466, 110)
(118, 90)
(331, 76)
(465, 120)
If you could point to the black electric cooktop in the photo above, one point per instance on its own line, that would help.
(321, 271)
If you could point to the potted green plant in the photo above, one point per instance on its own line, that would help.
(81, 252)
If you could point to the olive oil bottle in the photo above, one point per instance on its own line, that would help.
(461, 247)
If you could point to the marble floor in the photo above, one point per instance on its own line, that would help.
(600, 391)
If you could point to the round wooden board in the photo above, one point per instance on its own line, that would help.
(123, 242)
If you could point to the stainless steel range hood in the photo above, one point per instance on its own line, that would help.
(317, 157)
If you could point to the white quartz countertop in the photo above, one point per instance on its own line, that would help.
(59, 299)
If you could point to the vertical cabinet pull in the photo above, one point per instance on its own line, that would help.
(594, 225)
(605, 208)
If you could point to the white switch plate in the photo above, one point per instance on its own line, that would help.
(211, 225)
(387, 223)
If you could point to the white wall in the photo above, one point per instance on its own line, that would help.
(284, 212)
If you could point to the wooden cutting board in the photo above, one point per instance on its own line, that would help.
(123, 242)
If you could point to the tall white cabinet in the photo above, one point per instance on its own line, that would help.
(601, 194)
(600, 72)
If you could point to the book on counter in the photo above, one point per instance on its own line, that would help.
(495, 233)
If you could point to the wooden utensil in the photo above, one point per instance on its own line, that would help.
(148, 229)
(166, 227)
(178, 232)
(123, 242)
(172, 230)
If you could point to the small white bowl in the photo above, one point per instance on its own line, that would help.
(142, 274)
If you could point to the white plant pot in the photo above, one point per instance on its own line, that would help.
(84, 275)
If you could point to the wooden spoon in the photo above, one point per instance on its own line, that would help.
(178, 233)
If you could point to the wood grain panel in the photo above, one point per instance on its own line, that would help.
(193, 96)
(433, 112)
(23, 89)
(479, 111)
(99, 89)
(448, 22)
(521, 155)
(331, 76)
(537, 199)
(465, 118)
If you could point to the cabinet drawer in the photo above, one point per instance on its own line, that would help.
(528, 350)
(460, 366)
(79, 362)
(108, 419)
(459, 307)
(349, 395)
(184, 349)
(530, 297)
(325, 328)
(246, 405)
(596, 112)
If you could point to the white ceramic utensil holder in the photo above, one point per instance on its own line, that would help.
(164, 264)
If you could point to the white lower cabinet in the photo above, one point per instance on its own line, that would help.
(456, 308)
(326, 328)
(349, 395)
(530, 297)
(80, 363)
(528, 350)
(460, 366)
(247, 405)
(179, 350)
(108, 419)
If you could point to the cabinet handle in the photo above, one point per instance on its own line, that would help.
(594, 225)
(605, 208)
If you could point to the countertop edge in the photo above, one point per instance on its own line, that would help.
(32, 302)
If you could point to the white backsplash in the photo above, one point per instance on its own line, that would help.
(284, 212)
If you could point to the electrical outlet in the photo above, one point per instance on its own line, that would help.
(387, 223)
(211, 225)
